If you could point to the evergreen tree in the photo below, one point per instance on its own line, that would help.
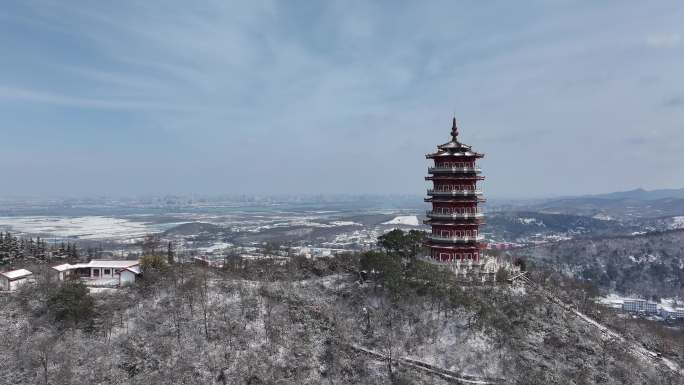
(169, 253)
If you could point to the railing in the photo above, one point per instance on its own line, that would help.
(454, 192)
(455, 215)
(454, 164)
(453, 169)
(456, 239)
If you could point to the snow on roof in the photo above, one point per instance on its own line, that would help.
(16, 274)
(63, 267)
(107, 264)
(134, 269)
(112, 263)
(447, 153)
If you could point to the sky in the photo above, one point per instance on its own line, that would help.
(324, 97)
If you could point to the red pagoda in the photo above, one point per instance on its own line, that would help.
(455, 217)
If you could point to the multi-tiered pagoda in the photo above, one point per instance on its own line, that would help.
(455, 217)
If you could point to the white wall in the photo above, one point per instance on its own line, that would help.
(6, 284)
(14, 285)
(126, 278)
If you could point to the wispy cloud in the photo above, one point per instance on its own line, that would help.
(19, 94)
(664, 40)
(342, 85)
(675, 101)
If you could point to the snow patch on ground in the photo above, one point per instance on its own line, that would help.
(345, 223)
(406, 220)
(215, 247)
(88, 227)
(531, 221)
(603, 217)
(99, 290)
(677, 223)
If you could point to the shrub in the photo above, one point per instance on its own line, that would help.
(501, 275)
(71, 304)
(153, 262)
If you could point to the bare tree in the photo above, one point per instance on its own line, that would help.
(151, 244)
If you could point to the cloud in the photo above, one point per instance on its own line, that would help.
(665, 40)
(20, 94)
(354, 87)
(676, 101)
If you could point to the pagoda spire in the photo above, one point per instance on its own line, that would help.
(454, 130)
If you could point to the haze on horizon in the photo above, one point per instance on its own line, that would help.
(267, 97)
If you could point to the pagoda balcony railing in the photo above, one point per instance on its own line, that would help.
(454, 215)
(454, 169)
(455, 239)
(454, 192)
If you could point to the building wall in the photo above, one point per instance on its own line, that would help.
(453, 230)
(126, 278)
(640, 306)
(6, 284)
(454, 206)
(14, 285)
(446, 255)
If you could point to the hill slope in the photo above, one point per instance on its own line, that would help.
(648, 264)
(210, 328)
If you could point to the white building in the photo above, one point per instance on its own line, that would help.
(639, 306)
(127, 276)
(10, 280)
(100, 271)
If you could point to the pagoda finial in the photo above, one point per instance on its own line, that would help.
(454, 130)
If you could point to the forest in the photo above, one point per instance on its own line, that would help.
(312, 321)
(15, 249)
(647, 265)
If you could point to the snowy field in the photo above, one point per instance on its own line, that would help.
(88, 228)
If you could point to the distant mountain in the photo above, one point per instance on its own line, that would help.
(194, 228)
(641, 194)
(624, 205)
(516, 225)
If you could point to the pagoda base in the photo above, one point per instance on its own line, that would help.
(483, 270)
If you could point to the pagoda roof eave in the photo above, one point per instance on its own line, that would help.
(455, 199)
(441, 154)
(452, 177)
(474, 222)
(478, 246)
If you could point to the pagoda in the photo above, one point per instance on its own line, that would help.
(455, 217)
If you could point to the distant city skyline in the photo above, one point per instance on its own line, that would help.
(211, 97)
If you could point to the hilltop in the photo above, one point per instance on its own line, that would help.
(313, 322)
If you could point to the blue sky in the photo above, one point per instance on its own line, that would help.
(140, 97)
